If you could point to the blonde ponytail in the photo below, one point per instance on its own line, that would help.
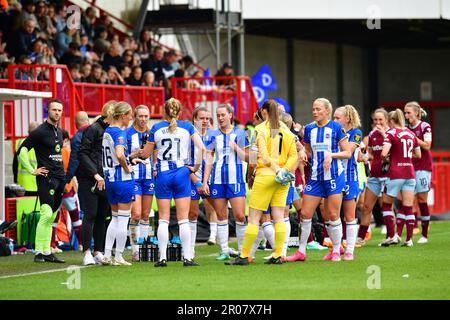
(172, 108)
(108, 106)
(352, 115)
(420, 113)
(397, 117)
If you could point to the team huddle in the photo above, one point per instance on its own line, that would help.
(186, 161)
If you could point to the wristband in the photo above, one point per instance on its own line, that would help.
(198, 184)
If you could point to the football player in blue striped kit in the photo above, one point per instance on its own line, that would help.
(348, 117)
(328, 144)
(201, 119)
(172, 139)
(119, 181)
(229, 145)
(144, 185)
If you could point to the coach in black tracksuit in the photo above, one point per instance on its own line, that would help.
(92, 185)
(47, 141)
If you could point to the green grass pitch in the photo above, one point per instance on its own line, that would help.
(420, 272)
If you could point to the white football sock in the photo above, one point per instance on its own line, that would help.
(305, 225)
(134, 234)
(163, 238)
(352, 232)
(257, 242)
(222, 235)
(121, 232)
(240, 233)
(269, 233)
(144, 227)
(185, 236)
(334, 229)
(287, 222)
(111, 235)
(213, 230)
(193, 228)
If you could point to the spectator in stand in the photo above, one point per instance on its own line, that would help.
(87, 50)
(88, 20)
(149, 80)
(21, 44)
(101, 44)
(86, 69)
(129, 43)
(114, 39)
(51, 13)
(4, 68)
(127, 57)
(189, 66)
(12, 22)
(63, 41)
(47, 56)
(225, 71)
(28, 10)
(74, 70)
(155, 64)
(195, 83)
(112, 57)
(170, 64)
(60, 17)
(96, 74)
(136, 76)
(145, 44)
(136, 60)
(124, 70)
(44, 21)
(37, 49)
(114, 77)
(73, 55)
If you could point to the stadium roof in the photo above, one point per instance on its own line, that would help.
(346, 9)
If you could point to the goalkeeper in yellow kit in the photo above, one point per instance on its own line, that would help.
(276, 154)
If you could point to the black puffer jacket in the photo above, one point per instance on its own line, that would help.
(90, 152)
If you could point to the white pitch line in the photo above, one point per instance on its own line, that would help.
(42, 272)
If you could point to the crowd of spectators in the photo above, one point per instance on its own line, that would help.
(38, 32)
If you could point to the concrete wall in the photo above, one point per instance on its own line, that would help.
(402, 70)
(314, 76)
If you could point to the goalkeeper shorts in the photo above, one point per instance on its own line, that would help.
(266, 191)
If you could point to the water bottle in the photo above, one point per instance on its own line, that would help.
(11, 246)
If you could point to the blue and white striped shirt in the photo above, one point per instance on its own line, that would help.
(350, 165)
(136, 140)
(113, 137)
(324, 139)
(206, 139)
(228, 167)
(173, 148)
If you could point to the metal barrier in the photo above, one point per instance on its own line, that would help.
(75, 96)
(94, 95)
(209, 92)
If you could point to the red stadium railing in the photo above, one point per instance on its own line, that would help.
(94, 95)
(212, 91)
(77, 96)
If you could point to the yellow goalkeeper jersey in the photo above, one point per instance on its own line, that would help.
(275, 149)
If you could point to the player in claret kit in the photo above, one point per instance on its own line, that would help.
(423, 165)
(348, 117)
(327, 142)
(400, 145)
(377, 180)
